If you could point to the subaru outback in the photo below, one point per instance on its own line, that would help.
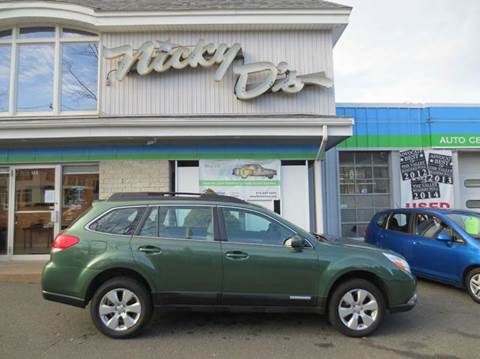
(138, 251)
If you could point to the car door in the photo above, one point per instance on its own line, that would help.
(258, 269)
(431, 257)
(396, 235)
(176, 245)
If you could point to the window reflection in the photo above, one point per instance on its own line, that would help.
(72, 33)
(36, 32)
(35, 77)
(6, 34)
(79, 192)
(79, 77)
(5, 54)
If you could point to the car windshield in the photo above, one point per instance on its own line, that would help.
(470, 222)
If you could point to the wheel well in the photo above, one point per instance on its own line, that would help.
(360, 275)
(467, 270)
(111, 273)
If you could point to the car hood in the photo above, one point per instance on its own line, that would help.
(353, 243)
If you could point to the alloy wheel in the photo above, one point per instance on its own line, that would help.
(475, 285)
(358, 309)
(119, 309)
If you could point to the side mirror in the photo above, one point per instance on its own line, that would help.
(295, 242)
(444, 236)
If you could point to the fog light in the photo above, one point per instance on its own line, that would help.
(413, 300)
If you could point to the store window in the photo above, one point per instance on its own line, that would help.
(56, 70)
(80, 188)
(364, 189)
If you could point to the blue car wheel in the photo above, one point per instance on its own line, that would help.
(473, 284)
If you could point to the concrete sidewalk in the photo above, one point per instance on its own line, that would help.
(21, 271)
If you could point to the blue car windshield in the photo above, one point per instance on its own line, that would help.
(470, 223)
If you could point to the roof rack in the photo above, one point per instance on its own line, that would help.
(149, 196)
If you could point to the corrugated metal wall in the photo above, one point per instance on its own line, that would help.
(193, 91)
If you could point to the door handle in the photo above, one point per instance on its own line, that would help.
(149, 250)
(237, 255)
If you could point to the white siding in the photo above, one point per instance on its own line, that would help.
(193, 91)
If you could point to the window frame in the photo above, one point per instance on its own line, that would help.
(223, 228)
(57, 40)
(103, 214)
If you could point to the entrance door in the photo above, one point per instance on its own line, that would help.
(4, 184)
(35, 209)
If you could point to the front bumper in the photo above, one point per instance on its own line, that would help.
(405, 307)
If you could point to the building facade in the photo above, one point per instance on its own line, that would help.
(164, 96)
(404, 156)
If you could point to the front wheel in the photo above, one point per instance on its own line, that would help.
(473, 284)
(121, 307)
(356, 308)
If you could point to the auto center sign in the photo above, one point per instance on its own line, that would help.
(446, 141)
(427, 178)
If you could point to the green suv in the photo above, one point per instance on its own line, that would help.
(137, 251)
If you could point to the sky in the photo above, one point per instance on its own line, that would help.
(409, 51)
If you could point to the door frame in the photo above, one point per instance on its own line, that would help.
(11, 210)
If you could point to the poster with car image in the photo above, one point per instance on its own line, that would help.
(251, 180)
(427, 178)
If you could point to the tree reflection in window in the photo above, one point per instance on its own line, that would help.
(79, 76)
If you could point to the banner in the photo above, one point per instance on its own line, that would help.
(251, 180)
(427, 178)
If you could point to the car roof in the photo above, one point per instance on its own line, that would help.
(444, 211)
(184, 198)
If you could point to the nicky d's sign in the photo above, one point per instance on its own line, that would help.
(253, 79)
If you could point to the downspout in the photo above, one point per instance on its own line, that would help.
(318, 181)
(323, 143)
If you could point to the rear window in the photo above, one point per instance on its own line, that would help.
(121, 221)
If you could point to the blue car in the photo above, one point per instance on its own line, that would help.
(439, 244)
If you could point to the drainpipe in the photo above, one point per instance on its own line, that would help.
(317, 167)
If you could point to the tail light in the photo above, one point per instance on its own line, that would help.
(63, 241)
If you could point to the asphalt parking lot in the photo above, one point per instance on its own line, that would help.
(444, 325)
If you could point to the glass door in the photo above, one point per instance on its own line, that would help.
(35, 210)
(4, 185)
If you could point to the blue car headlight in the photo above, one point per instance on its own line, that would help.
(400, 263)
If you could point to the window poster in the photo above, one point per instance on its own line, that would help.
(427, 178)
(251, 180)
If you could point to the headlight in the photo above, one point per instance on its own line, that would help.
(399, 262)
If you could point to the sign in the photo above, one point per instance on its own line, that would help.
(456, 140)
(160, 56)
(427, 178)
(250, 180)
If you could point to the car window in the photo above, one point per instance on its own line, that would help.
(150, 225)
(381, 219)
(243, 226)
(185, 222)
(429, 226)
(398, 222)
(119, 221)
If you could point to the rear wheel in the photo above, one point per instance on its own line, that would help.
(472, 284)
(356, 308)
(121, 307)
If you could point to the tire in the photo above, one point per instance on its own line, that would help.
(130, 315)
(369, 315)
(472, 284)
